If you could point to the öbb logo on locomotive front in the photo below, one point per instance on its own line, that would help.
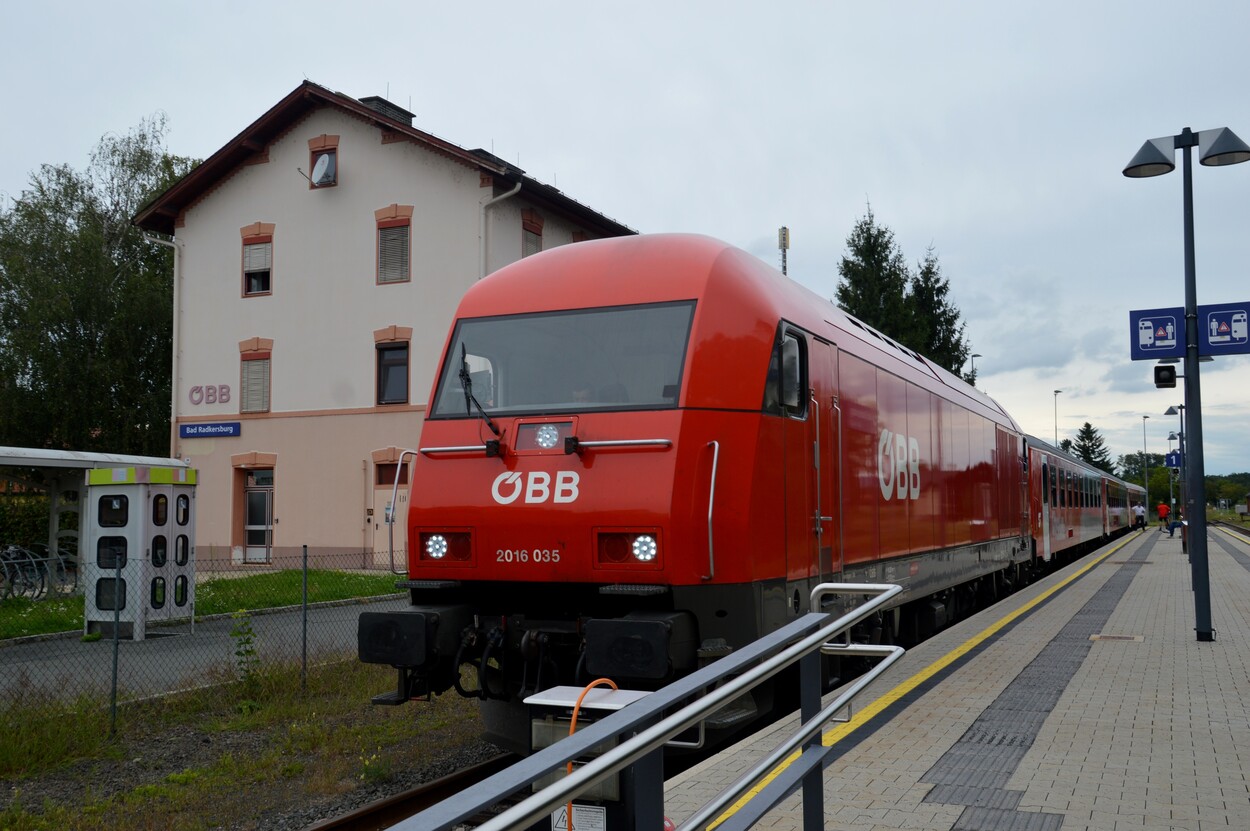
(537, 487)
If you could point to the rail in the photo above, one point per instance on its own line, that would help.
(641, 729)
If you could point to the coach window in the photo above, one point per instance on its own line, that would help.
(1045, 480)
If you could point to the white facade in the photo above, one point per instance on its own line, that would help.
(324, 435)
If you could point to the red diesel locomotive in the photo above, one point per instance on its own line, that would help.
(642, 453)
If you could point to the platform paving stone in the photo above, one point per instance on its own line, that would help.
(1098, 709)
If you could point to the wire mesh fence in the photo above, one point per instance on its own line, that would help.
(241, 616)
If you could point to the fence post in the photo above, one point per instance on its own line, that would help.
(117, 613)
(303, 672)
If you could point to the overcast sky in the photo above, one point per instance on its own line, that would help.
(995, 132)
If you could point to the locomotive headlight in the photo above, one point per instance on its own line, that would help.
(644, 548)
(436, 546)
(547, 436)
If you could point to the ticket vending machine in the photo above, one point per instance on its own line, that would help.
(138, 555)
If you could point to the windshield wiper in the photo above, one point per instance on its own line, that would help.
(466, 382)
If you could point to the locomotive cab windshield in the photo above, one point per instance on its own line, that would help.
(617, 358)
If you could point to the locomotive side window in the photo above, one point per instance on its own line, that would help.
(615, 358)
(787, 379)
(792, 366)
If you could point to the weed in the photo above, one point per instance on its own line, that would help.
(247, 707)
(246, 660)
(374, 768)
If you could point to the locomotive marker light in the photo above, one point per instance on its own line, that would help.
(1158, 156)
(644, 548)
(436, 547)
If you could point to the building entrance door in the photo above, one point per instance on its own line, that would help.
(258, 517)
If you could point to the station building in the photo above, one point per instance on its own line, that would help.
(319, 258)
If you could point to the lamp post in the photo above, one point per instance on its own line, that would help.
(1057, 417)
(1171, 499)
(975, 355)
(1145, 462)
(1180, 439)
(1216, 147)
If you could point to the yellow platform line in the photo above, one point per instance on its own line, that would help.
(870, 711)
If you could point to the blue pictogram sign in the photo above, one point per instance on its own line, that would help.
(1157, 333)
(1222, 329)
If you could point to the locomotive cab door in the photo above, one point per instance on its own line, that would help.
(807, 368)
(826, 516)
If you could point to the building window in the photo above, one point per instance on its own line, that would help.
(394, 246)
(257, 258)
(384, 474)
(254, 383)
(531, 232)
(323, 161)
(393, 253)
(257, 266)
(392, 373)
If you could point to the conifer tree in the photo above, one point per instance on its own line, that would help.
(877, 287)
(1090, 447)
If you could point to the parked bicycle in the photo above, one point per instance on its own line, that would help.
(24, 573)
(60, 569)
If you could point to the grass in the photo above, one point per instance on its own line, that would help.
(20, 617)
(289, 749)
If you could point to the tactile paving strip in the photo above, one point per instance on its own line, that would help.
(976, 769)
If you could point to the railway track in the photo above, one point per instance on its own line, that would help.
(1236, 528)
(387, 812)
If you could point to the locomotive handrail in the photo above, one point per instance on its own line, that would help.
(711, 500)
(390, 515)
(820, 519)
(463, 448)
(643, 728)
(574, 445)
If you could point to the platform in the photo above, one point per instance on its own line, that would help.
(1084, 701)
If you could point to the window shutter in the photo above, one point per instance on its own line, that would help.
(257, 257)
(531, 243)
(255, 383)
(393, 254)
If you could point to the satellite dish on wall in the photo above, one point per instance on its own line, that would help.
(323, 170)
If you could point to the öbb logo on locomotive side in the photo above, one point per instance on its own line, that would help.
(898, 465)
(537, 487)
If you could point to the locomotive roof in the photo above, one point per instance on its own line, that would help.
(740, 300)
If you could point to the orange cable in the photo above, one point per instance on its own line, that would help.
(598, 682)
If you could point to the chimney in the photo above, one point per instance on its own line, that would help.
(380, 105)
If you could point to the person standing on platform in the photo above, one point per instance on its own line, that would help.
(1164, 510)
(1139, 515)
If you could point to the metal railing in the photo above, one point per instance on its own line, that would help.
(641, 730)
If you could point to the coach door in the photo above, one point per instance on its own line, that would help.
(1048, 500)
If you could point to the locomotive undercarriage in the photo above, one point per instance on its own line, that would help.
(642, 637)
(645, 636)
